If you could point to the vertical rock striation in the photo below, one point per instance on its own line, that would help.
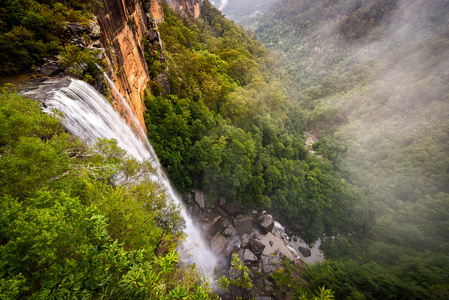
(124, 24)
(191, 7)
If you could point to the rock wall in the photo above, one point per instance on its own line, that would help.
(191, 7)
(124, 24)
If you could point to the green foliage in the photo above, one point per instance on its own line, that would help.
(228, 128)
(83, 63)
(238, 278)
(363, 83)
(67, 232)
(33, 29)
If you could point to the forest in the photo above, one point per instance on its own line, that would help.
(371, 78)
(227, 127)
(67, 232)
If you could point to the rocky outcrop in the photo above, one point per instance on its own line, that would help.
(184, 7)
(253, 237)
(243, 225)
(124, 24)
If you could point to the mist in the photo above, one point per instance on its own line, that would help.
(241, 10)
(373, 79)
(395, 123)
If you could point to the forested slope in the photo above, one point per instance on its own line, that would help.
(67, 232)
(227, 127)
(372, 79)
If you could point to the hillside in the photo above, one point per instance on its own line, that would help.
(92, 222)
(372, 79)
(228, 117)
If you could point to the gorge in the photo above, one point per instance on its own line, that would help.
(340, 134)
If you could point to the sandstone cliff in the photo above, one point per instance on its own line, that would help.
(124, 24)
(191, 7)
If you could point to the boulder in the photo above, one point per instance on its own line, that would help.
(94, 28)
(214, 224)
(230, 230)
(275, 244)
(239, 253)
(233, 244)
(268, 285)
(245, 240)
(266, 224)
(199, 198)
(244, 225)
(74, 28)
(221, 211)
(218, 243)
(256, 246)
(270, 263)
(305, 251)
(234, 209)
(248, 256)
(187, 198)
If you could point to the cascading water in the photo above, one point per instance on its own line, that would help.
(88, 115)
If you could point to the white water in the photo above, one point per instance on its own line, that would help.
(89, 115)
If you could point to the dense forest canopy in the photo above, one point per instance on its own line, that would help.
(66, 231)
(371, 77)
(31, 30)
(228, 128)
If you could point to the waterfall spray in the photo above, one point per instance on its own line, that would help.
(87, 114)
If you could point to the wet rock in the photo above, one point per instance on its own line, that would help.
(218, 243)
(244, 225)
(305, 251)
(266, 224)
(256, 246)
(50, 68)
(233, 245)
(249, 256)
(230, 230)
(214, 224)
(245, 240)
(234, 209)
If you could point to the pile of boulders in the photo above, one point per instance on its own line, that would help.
(252, 235)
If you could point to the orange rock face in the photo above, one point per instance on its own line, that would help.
(156, 11)
(123, 25)
(191, 7)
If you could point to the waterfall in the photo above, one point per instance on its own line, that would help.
(88, 115)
